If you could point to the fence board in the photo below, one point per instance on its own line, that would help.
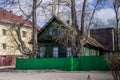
(84, 63)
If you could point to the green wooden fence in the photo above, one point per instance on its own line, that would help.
(84, 63)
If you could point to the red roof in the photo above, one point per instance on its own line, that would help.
(9, 17)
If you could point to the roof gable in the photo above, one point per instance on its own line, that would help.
(90, 41)
(52, 19)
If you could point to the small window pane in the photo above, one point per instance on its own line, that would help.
(4, 46)
(55, 52)
(4, 31)
(56, 32)
(50, 31)
(87, 52)
(42, 51)
(24, 33)
(69, 52)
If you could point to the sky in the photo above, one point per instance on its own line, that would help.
(104, 11)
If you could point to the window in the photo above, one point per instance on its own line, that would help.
(23, 33)
(55, 52)
(83, 51)
(3, 57)
(54, 31)
(69, 52)
(42, 51)
(50, 32)
(4, 31)
(87, 52)
(4, 46)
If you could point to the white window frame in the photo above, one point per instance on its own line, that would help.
(92, 53)
(69, 52)
(55, 52)
(87, 53)
(42, 51)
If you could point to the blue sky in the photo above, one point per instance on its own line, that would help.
(102, 12)
(103, 4)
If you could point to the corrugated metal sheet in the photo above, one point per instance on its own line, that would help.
(8, 60)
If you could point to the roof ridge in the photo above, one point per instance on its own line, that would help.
(10, 17)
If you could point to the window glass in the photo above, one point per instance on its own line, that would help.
(83, 51)
(4, 31)
(24, 33)
(42, 51)
(54, 32)
(4, 46)
(55, 52)
(69, 52)
(50, 31)
(87, 52)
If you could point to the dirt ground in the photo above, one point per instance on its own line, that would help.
(55, 75)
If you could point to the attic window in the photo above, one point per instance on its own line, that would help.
(54, 31)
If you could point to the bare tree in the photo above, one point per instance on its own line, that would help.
(79, 37)
(114, 59)
(114, 64)
(116, 4)
(34, 35)
(82, 36)
(21, 45)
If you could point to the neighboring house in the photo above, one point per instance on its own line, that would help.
(106, 37)
(48, 47)
(8, 48)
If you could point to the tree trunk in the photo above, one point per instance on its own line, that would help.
(117, 32)
(73, 15)
(82, 17)
(116, 5)
(34, 35)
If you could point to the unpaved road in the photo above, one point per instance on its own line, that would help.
(55, 75)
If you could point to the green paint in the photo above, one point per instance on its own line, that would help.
(45, 39)
(84, 63)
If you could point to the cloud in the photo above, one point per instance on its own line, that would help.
(105, 14)
(81, 1)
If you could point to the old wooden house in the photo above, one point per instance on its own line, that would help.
(107, 37)
(48, 48)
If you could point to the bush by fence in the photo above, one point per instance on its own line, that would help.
(84, 63)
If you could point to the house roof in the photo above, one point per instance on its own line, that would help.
(50, 20)
(90, 40)
(95, 43)
(104, 36)
(9, 17)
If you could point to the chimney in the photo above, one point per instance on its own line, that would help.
(11, 11)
